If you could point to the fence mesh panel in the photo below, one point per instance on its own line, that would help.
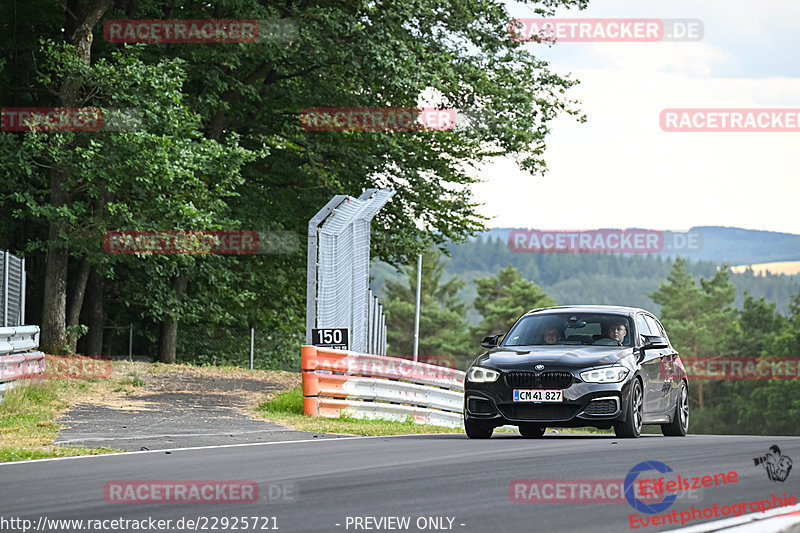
(343, 295)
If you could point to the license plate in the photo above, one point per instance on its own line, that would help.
(526, 395)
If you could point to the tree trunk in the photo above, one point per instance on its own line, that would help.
(94, 338)
(78, 29)
(53, 338)
(168, 339)
(76, 302)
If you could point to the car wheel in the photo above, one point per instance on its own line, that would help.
(680, 420)
(531, 431)
(631, 428)
(476, 430)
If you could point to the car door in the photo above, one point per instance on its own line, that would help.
(651, 370)
(669, 372)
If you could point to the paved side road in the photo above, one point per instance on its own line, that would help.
(178, 409)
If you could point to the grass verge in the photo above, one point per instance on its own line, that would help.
(27, 414)
(287, 409)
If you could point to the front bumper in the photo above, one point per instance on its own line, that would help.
(583, 404)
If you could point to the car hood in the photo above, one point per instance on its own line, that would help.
(555, 357)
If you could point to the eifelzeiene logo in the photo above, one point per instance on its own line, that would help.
(775, 463)
(712, 511)
(181, 242)
(180, 492)
(376, 119)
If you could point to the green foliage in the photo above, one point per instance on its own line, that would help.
(502, 299)
(290, 402)
(698, 320)
(220, 144)
(442, 323)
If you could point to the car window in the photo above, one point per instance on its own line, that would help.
(661, 328)
(655, 328)
(567, 328)
(642, 327)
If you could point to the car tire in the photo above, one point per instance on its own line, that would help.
(476, 430)
(631, 428)
(680, 420)
(531, 431)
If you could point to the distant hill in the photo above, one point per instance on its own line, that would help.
(623, 279)
(732, 246)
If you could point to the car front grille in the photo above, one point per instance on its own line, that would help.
(545, 380)
(555, 380)
(479, 406)
(606, 406)
(540, 412)
(521, 379)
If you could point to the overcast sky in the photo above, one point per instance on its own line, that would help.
(633, 173)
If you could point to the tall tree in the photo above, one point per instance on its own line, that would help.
(699, 319)
(503, 298)
(347, 54)
(442, 321)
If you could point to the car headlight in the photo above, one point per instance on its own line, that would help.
(609, 374)
(482, 375)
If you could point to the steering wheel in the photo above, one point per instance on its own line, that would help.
(606, 341)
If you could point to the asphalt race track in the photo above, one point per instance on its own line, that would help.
(465, 483)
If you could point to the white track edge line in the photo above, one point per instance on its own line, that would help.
(333, 439)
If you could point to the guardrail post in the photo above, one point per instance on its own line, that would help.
(5, 288)
(22, 293)
(308, 365)
(252, 338)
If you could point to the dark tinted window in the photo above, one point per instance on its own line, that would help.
(568, 328)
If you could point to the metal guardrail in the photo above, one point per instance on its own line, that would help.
(12, 290)
(16, 359)
(337, 382)
(18, 339)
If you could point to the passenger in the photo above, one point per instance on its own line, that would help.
(552, 336)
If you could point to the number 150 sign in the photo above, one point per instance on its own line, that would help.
(337, 338)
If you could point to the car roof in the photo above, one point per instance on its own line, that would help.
(619, 309)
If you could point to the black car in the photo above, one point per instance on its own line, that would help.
(575, 366)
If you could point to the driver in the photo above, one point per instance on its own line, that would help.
(617, 330)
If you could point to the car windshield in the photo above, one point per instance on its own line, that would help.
(599, 329)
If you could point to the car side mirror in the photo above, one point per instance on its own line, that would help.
(491, 341)
(654, 342)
